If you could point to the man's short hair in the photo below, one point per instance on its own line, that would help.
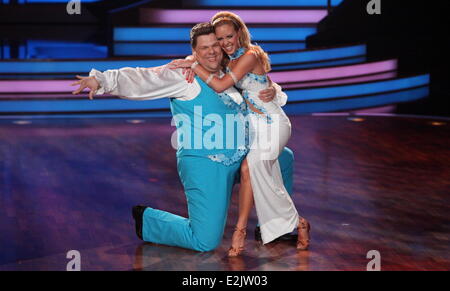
(204, 28)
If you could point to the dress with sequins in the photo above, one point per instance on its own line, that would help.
(270, 130)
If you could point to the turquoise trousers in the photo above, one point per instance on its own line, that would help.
(208, 186)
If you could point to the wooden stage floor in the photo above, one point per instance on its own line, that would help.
(68, 184)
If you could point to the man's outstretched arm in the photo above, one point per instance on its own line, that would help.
(138, 83)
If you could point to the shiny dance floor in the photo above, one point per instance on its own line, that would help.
(381, 183)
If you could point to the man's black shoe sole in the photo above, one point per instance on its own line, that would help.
(138, 214)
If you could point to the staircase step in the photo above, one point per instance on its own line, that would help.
(341, 81)
(297, 76)
(158, 34)
(280, 61)
(330, 73)
(303, 100)
(192, 16)
(181, 49)
(359, 89)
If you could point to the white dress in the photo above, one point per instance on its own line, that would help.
(269, 134)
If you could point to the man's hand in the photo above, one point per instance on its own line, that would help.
(86, 82)
(268, 94)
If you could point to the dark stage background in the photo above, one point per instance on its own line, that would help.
(413, 32)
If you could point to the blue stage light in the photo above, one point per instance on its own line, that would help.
(319, 64)
(357, 103)
(152, 49)
(40, 67)
(6, 51)
(300, 101)
(182, 33)
(44, 49)
(183, 49)
(357, 89)
(318, 55)
(282, 46)
(85, 105)
(278, 60)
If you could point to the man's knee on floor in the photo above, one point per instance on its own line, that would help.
(208, 245)
(210, 236)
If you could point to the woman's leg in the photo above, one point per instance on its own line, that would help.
(245, 197)
(245, 207)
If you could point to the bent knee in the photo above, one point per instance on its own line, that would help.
(208, 245)
(208, 239)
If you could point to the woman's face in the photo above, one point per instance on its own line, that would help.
(228, 38)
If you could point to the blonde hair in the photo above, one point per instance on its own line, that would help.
(225, 17)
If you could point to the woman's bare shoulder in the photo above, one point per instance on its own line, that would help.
(251, 52)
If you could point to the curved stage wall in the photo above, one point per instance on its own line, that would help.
(304, 100)
(292, 59)
(324, 79)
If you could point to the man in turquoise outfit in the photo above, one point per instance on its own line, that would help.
(207, 172)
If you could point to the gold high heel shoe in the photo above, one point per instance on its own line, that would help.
(303, 235)
(236, 251)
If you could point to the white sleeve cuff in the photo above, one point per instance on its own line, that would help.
(281, 97)
(101, 79)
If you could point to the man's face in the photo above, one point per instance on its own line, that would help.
(208, 52)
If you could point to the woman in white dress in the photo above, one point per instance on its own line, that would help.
(247, 70)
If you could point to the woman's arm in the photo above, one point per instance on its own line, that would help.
(244, 65)
(281, 97)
